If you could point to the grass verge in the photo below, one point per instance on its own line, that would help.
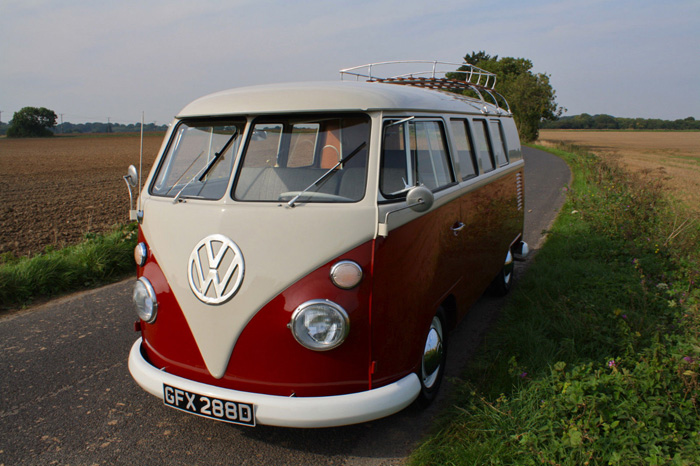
(595, 359)
(98, 260)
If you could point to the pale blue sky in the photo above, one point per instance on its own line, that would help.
(92, 60)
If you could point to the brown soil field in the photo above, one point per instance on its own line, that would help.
(55, 190)
(671, 156)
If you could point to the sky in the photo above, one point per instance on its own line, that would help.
(97, 60)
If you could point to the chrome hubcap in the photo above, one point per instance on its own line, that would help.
(508, 268)
(432, 354)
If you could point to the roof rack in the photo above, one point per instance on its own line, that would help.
(436, 77)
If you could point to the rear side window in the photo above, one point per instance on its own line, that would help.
(463, 145)
(499, 143)
(413, 153)
(483, 146)
(432, 158)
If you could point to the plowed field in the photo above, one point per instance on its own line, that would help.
(55, 190)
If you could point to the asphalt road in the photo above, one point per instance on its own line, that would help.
(66, 396)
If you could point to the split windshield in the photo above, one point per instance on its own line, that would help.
(199, 160)
(305, 159)
(291, 159)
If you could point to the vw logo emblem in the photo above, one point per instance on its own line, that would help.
(215, 269)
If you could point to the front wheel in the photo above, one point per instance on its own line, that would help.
(433, 357)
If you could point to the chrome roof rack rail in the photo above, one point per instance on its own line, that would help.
(433, 74)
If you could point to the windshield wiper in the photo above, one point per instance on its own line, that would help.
(204, 171)
(217, 156)
(330, 171)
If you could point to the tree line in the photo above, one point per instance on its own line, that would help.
(96, 127)
(586, 121)
(31, 122)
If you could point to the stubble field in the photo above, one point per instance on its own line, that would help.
(671, 156)
(55, 190)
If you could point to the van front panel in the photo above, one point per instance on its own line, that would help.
(279, 246)
(266, 357)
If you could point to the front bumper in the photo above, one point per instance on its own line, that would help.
(324, 411)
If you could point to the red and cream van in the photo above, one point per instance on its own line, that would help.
(305, 249)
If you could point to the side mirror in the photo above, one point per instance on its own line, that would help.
(132, 176)
(420, 199)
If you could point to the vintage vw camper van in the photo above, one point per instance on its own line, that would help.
(305, 249)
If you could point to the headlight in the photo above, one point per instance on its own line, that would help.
(140, 254)
(320, 325)
(145, 300)
(346, 274)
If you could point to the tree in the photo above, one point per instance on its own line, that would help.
(31, 122)
(530, 96)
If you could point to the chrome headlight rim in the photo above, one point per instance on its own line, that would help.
(304, 339)
(141, 254)
(147, 311)
(344, 280)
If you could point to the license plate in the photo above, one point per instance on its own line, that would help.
(234, 412)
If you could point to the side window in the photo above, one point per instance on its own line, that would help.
(395, 176)
(465, 154)
(414, 153)
(431, 156)
(483, 148)
(499, 143)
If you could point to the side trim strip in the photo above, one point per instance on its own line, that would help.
(326, 411)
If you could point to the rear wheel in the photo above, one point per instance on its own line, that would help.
(434, 354)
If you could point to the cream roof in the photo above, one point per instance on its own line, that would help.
(329, 96)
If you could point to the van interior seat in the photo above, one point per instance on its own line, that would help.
(352, 183)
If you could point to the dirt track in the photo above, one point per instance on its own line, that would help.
(55, 190)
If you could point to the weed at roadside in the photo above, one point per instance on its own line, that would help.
(99, 259)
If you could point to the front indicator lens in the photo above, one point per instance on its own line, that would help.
(320, 325)
(145, 300)
(346, 274)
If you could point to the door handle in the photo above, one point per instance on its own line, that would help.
(457, 227)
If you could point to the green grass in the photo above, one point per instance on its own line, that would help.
(98, 260)
(595, 359)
